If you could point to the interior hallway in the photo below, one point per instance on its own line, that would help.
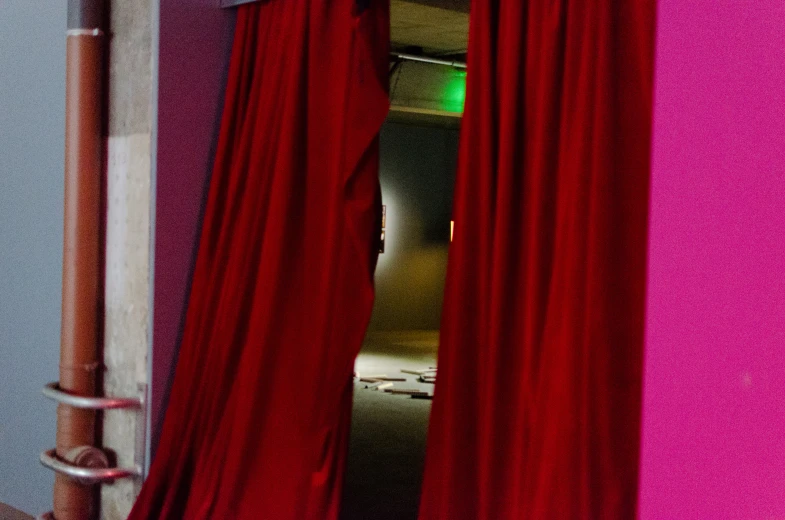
(387, 445)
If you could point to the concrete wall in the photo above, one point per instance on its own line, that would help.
(195, 39)
(714, 403)
(129, 212)
(32, 109)
(417, 175)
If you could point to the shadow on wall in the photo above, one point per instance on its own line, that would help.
(417, 174)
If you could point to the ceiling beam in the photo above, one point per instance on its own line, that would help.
(235, 3)
(453, 5)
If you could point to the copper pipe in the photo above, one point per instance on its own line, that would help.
(80, 357)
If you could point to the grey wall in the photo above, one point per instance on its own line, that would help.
(32, 91)
(417, 175)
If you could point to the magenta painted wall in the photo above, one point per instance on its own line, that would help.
(195, 39)
(714, 390)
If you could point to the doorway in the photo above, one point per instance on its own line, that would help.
(418, 155)
(419, 151)
(387, 447)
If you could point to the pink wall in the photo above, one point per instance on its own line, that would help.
(714, 397)
(195, 39)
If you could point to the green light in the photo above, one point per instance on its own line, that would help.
(455, 92)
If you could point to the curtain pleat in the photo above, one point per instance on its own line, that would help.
(537, 408)
(258, 419)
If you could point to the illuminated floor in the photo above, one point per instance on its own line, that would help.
(387, 446)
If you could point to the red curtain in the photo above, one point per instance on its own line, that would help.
(258, 418)
(537, 409)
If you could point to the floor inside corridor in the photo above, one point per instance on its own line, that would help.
(387, 446)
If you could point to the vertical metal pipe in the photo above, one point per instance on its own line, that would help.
(80, 358)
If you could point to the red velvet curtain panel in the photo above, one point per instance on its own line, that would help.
(257, 423)
(537, 408)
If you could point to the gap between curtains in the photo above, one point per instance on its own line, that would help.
(258, 419)
(537, 409)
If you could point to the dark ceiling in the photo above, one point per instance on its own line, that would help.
(427, 28)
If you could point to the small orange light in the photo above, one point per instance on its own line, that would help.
(452, 227)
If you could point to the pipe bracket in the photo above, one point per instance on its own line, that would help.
(88, 476)
(54, 392)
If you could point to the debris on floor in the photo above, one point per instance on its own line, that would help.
(383, 382)
(405, 391)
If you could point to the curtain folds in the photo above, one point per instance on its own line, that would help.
(257, 423)
(537, 410)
